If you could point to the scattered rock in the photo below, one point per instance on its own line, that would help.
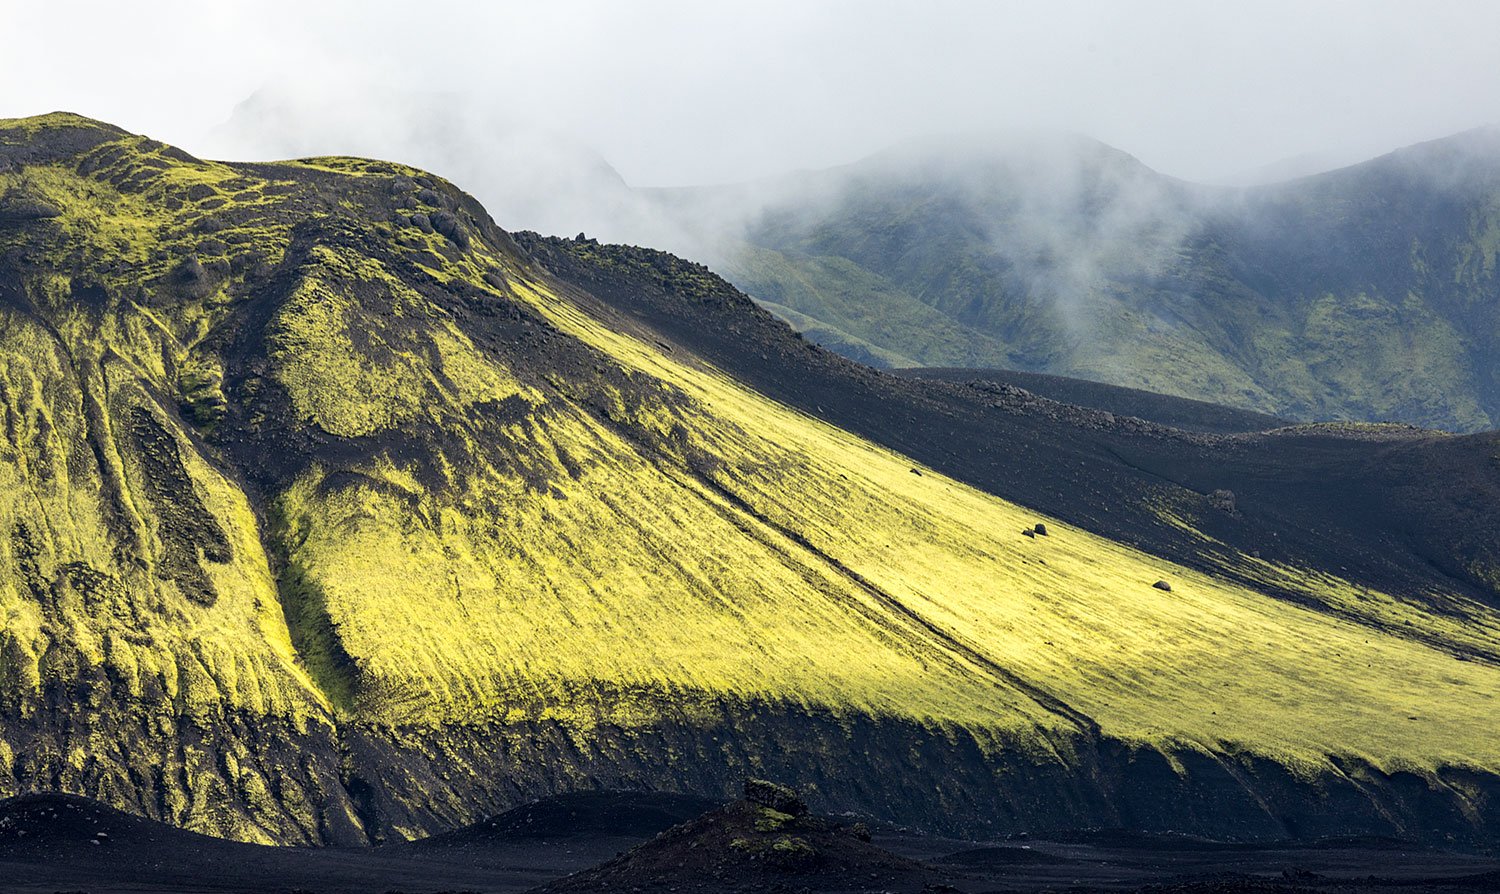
(192, 278)
(1040, 529)
(1222, 500)
(777, 797)
(916, 472)
(189, 269)
(1163, 585)
(20, 207)
(447, 224)
(1027, 532)
(209, 223)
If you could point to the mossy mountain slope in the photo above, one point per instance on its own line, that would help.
(1384, 509)
(1364, 294)
(331, 515)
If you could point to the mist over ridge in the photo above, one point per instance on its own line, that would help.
(1032, 249)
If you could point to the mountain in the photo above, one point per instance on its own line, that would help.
(331, 512)
(1365, 294)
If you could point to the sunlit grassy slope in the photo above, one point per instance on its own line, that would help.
(765, 554)
(313, 442)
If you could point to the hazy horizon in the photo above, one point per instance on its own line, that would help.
(673, 94)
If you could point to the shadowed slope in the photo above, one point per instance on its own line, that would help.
(1174, 412)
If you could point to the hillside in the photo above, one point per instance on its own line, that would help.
(1363, 294)
(332, 514)
(1173, 412)
(1383, 509)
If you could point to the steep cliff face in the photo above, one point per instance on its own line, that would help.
(330, 515)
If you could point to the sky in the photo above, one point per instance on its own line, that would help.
(681, 93)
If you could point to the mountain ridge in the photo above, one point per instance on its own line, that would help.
(1360, 294)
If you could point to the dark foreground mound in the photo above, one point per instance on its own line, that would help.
(750, 845)
(67, 827)
(52, 843)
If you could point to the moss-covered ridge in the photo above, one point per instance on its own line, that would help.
(330, 514)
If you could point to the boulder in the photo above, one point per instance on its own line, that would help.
(777, 797)
(21, 206)
(447, 224)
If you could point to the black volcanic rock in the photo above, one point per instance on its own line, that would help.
(19, 207)
(1162, 409)
(747, 846)
(774, 796)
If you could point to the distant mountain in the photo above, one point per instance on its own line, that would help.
(1290, 168)
(1367, 293)
(332, 512)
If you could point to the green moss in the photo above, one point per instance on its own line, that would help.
(791, 847)
(200, 384)
(18, 131)
(836, 303)
(768, 820)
